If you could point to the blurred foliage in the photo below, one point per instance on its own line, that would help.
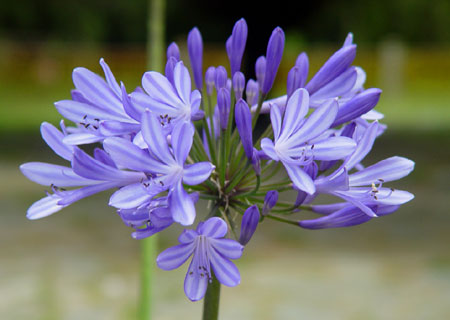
(113, 21)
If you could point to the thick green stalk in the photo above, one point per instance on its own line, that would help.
(211, 300)
(155, 54)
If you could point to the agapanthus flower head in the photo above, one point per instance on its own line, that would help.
(166, 146)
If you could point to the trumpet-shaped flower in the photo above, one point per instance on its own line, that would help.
(211, 253)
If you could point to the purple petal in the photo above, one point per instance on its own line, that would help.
(75, 195)
(270, 200)
(214, 227)
(332, 148)
(339, 86)
(77, 111)
(296, 109)
(383, 171)
(154, 137)
(181, 205)
(182, 137)
(228, 248)
(182, 82)
(51, 174)
(319, 121)
(96, 90)
(268, 147)
(76, 139)
(187, 236)
(194, 284)
(44, 207)
(110, 79)
(128, 155)
(346, 217)
(102, 156)
(131, 196)
(300, 178)
(364, 146)
(117, 128)
(334, 66)
(197, 173)
(224, 270)
(53, 137)
(90, 168)
(174, 257)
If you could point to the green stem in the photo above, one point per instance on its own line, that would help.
(155, 56)
(211, 300)
(148, 256)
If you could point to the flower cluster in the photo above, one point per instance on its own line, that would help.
(165, 145)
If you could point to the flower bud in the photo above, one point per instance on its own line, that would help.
(260, 70)
(274, 54)
(357, 106)
(270, 201)
(210, 78)
(249, 223)
(195, 50)
(236, 45)
(221, 77)
(173, 51)
(243, 119)
(223, 103)
(252, 91)
(302, 63)
(238, 84)
(170, 66)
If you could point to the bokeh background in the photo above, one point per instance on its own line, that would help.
(82, 263)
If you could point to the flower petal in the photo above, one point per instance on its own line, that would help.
(346, 217)
(194, 284)
(154, 137)
(51, 174)
(228, 248)
(130, 196)
(54, 138)
(182, 137)
(214, 227)
(196, 173)
(224, 270)
(296, 109)
(182, 82)
(128, 155)
(300, 178)
(181, 205)
(174, 257)
(385, 170)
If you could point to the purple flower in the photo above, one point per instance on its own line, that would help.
(249, 223)
(166, 164)
(173, 103)
(211, 253)
(297, 140)
(98, 108)
(274, 54)
(93, 175)
(195, 50)
(364, 189)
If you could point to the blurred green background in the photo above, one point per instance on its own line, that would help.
(82, 263)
